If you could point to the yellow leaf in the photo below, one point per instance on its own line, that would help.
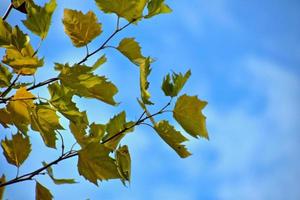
(5, 118)
(42, 193)
(172, 137)
(5, 33)
(156, 7)
(55, 180)
(187, 113)
(17, 149)
(124, 163)
(94, 163)
(20, 107)
(173, 87)
(132, 50)
(2, 180)
(145, 70)
(81, 28)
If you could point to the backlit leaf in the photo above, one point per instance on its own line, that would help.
(5, 33)
(132, 50)
(156, 7)
(5, 76)
(19, 40)
(5, 118)
(20, 107)
(99, 62)
(39, 18)
(42, 193)
(172, 87)
(94, 163)
(128, 9)
(82, 82)
(45, 120)
(116, 129)
(187, 113)
(17, 149)
(2, 180)
(123, 163)
(172, 137)
(55, 180)
(81, 28)
(145, 70)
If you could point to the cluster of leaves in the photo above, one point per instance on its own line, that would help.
(24, 110)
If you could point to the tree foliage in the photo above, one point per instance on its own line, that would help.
(100, 153)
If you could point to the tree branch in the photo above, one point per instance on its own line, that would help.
(71, 153)
(7, 11)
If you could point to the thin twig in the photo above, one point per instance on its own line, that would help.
(8, 89)
(62, 143)
(7, 11)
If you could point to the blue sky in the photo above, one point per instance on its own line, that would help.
(245, 61)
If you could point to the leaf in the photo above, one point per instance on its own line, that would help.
(81, 28)
(5, 33)
(116, 129)
(55, 180)
(99, 62)
(129, 9)
(2, 180)
(20, 5)
(172, 137)
(187, 113)
(42, 193)
(123, 163)
(97, 132)
(19, 40)
(156, 7)
(23, 62)
(173, 87)
(17, 149)
(132, 50)
(144, 84)
(5, 118)
(82, 82)
(61, 99)
(5, 76)
(19, 108)
(39, 18)
(94, 163)
(45, 120)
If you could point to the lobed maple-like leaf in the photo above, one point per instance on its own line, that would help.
(132, 50)
(172, 86)
(156, 7)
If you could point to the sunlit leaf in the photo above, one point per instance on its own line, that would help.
(116, 129)
(55, 180)
(17, 149)
(187, 113)
(172, 137)
(94, 163)
(5, 118)
(123, 163)
(45, 120)
(42, 193)
(19, 40)
(5, 33)
(172, 86)
(99, 62)
(20, 5)
(39, 18)
(2, 180)
(156, 7)
(132, 50)
(128, 9)
(84, 83)
(145, 70)
(5, 76)
(20, 107)
(81, 28)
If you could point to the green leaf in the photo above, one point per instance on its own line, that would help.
(145, 70)
(5, 118)
(42, 193)
(116, 129)
(2, 180)
(187, 113)
(123, 163)
(129, 9)
(173, 87)
(20, 107)
(5, 33)
(156, 7)
(5, 76)
(82, 82)
(172, 137)
(19, 40)
(97, 132)
(94, 163)
(17, 149)
(23, 62)
(45, 120)
(132, 50)
(55, 180)
(39, 18)
(81, 28)
(61, 99)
